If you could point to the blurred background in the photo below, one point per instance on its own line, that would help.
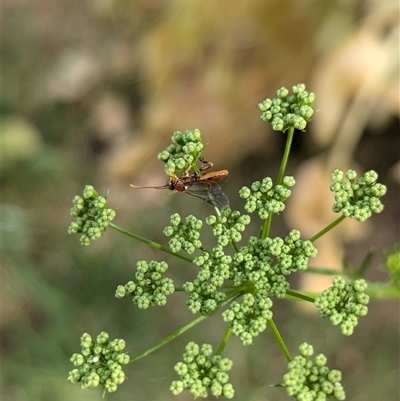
(92, 91)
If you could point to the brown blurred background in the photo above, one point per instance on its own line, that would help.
(93, 90)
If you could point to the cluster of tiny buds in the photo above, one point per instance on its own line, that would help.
(344, 303)
(359, 197)
(312, 380)
(92, 215)
(150, 287)
(286, 111)
(228, 225)
(184, 153)
(265, 263)
(202, 372)
(185, 233)
(248, 318)
(99, 363)
(204, 291)
(264, 198)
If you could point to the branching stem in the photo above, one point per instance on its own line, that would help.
(151, 243)
(327, 228)
(279, 339)
(182, 330)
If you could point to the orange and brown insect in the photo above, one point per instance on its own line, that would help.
(204, 187)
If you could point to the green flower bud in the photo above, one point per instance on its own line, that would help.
(180, 164)
(89, 192)
(110, 386)
(177, 387)
(265, 105)
(178, 138)
(168, 231)
(351, 175)
(277, 124)
(306, 350)
(163, 156)
(211, 220)
(337, 176)
(120, 292)
(102, 338)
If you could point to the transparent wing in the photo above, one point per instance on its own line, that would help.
(210, 193)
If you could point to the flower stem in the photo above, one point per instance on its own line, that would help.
(299, 295)
(267, 225)
(181, 330)
(151, 243)
(325, 272)
(224, 341)
(279, 338)
(169, 338)
(285, 157)
(327, 228)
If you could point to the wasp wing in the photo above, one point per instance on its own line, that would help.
(210, 193)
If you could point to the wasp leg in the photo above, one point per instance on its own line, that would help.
(205, 164)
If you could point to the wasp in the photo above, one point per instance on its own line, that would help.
(202, 186)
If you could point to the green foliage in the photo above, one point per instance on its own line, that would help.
(243, 277)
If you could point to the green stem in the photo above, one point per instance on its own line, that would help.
(181, 330)
(325, 272)
(279, 338)
(151, 243)
(169, 338)
(267, 225)
(299, 295)
(285, 157)
(327, 228)
(364, 264)
(224, 341)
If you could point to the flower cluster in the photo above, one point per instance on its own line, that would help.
(344, 303)
(184, 153)
(201, 372)
(92, 215)
(312, 380)
(204, 291)
(286, 111)
(185, 234)
(264, 264)
(228, 225)
(99, 363)
(264, 198)
(248, 318)
(359, 197)
(150, 287)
